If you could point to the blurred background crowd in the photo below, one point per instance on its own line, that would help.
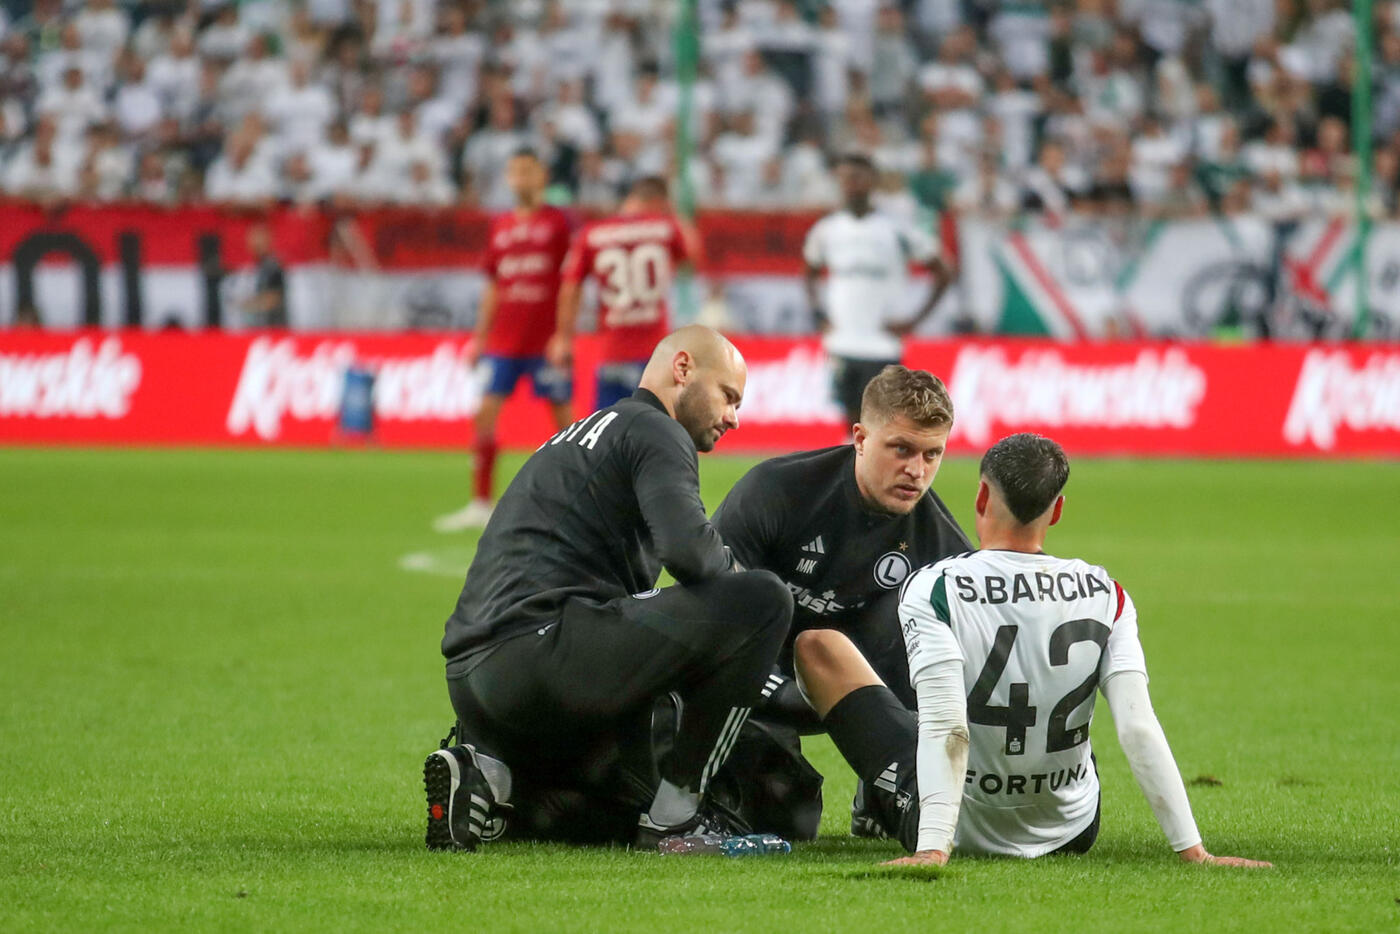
(1164, 108)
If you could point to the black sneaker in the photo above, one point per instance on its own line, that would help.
(864, 822)
(706, 820)
(461, 809)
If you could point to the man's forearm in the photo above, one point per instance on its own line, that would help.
(1150, 758)
(942, 278)
(942, 754)
(485, 312)
(812, 283)
(566, 315)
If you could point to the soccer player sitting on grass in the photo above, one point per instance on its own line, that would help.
(1006, 648)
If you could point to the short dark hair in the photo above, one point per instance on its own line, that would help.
(857, 160)
(918, 395)
(1030, 470)
(525, 152)
(650, 187)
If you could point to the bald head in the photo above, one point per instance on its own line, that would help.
(699, 376)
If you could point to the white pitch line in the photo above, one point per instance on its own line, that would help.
(452, 562)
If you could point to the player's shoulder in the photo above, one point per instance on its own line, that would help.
(1096, 577)
(558, 217)
(805, 467)
(648, 423)
(928, 588)
(971, 561)
(924, 578)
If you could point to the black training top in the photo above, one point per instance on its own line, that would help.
(596, 513)
(802, 517)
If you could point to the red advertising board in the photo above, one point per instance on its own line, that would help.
(400, 238)
(134, 387)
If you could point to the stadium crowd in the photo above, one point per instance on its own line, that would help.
(1162, 107)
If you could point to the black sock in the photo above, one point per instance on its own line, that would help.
(872, 728)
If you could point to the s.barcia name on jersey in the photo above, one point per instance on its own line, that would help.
(1039, 586)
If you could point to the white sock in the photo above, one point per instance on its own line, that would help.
(673, 806)
(497, 776)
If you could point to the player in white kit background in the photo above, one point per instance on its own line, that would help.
(866, 256)
(1007, 647)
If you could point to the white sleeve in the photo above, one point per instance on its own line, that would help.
(942, 755)
(1123, 651)
(813, 248)
(936, 674)
(1150, 758)
(923, 619)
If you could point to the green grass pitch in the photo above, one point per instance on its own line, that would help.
(220, 677)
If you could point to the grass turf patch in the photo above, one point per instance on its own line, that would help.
(220, 680)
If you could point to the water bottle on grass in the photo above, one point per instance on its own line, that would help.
(755, 844)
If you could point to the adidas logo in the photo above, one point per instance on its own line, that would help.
(774, 682)
(888, 778)
(815, 546)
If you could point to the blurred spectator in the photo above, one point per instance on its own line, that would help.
(407, 146)
(987, 192)
(226, 37)
(369, 123)
(458, 52)
(157, 32)
(153, 182)
(52, 66)
(1052, 184)
(895, 65)
(331, 162)
(17, 82)
(1021, 33)
(266, 307)
(300, 112)
(102, 28)
(741, 154)
(487, 151)
(1109, 105)
(1155, 154)
(762, 93)
(831, 66)
(1017, 111)
(953, 88)
(174, 75)
(1275, 153)
(425, 185)
(41, 169)
(136, 107)
(238, 176)
(254, 80)
(572, 122)
(105, 173)
(42, 27)
(74, 105)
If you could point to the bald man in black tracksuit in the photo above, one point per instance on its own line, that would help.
(559, 641)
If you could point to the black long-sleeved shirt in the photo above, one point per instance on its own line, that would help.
(595, 513)
(802, 517)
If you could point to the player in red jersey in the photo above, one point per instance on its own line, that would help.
(633, 256)
(515, 320)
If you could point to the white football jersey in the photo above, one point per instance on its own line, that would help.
(1036, 635)
(866, 259)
